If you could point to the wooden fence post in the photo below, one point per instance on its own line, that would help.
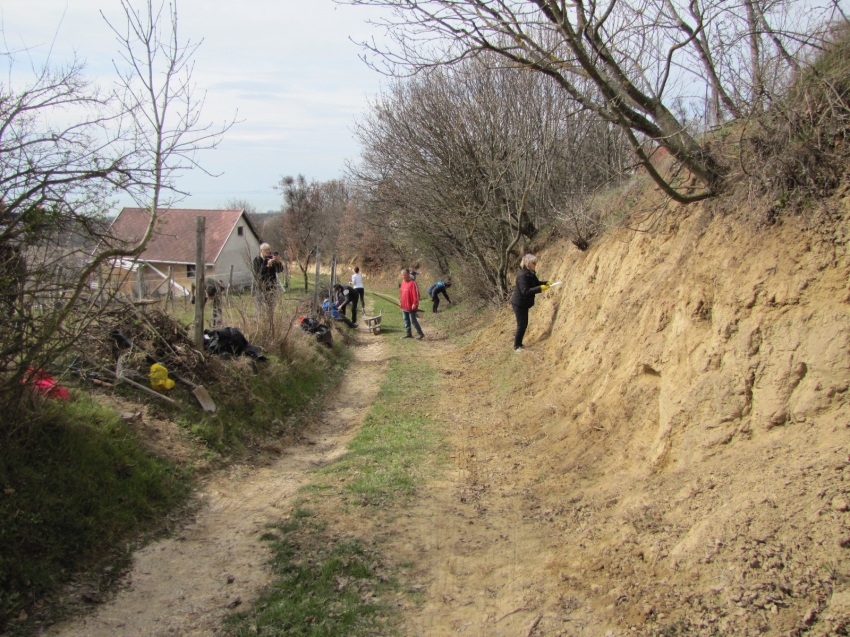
(140, 283)
(169, 294)
(200, 288)
(316, 285)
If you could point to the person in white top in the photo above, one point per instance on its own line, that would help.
(357, 284)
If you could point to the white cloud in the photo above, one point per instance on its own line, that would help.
(288, 67)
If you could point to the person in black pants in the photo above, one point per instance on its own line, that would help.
(347, 295)
(435, 290)
(266, 267)
(527, 287)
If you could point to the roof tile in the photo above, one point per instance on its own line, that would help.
(174, 234)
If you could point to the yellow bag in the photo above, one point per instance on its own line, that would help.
(159, 378)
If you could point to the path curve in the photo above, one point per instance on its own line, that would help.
(185, 584)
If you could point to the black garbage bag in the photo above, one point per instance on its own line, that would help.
(229, 341)
(320, 330)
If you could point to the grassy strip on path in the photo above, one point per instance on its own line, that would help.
(331, 583)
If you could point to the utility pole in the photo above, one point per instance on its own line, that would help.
(169, 293)
(200, 289)
(140, 283)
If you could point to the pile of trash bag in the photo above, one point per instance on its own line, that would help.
(321, 331)
(229, 341)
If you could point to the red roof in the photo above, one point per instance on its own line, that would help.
(173, 239)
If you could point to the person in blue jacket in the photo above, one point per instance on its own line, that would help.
(527, 287)
(435, 290)
(332, 310)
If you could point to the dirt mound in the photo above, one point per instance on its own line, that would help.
(679, 428)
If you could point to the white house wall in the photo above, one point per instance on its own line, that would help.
(238, 252)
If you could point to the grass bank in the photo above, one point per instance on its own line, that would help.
(269, 402)
(78, 486)
(330, 582)
(74, 483)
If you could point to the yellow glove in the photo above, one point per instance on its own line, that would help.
(544, 287)
(159, 378)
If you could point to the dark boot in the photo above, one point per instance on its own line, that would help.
(420, 335)
(408, 335)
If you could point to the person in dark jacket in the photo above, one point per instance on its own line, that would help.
(266, 267)
(214, 290)
(347, 295)
(527, 287)
(434, 292)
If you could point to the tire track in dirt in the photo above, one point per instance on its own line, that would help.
(179, 586)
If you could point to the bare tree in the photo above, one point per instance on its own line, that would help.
(312, 214)
(468, 163)
(652, 67)
(364, 240)
(234, 203)
(57, 179)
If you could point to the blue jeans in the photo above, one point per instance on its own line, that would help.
(410, 317)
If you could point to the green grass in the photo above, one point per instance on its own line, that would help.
(272, 402)
(398, 444)
(75, 485)
(72, 485)
(462, 319)
(327, 585)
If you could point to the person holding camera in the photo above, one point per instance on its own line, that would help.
(214, 290)
(266, 267)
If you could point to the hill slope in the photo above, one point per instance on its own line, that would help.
(681, 417)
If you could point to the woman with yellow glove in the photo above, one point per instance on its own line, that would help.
(527, 286)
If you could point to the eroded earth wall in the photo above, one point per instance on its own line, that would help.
(697, 336)
(683, 416)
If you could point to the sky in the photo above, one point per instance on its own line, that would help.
(287, 70)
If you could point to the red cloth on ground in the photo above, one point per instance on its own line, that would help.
(46, 386)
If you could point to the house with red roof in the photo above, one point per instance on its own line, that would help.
(230, 243)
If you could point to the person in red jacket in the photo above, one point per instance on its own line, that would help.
(409, 304)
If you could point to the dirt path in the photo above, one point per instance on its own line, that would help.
(479, 555)
(183, 585)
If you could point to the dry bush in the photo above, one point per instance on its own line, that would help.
(152, 331)
(268, 327)
(168, 339)
(797, 150)
(580, 221)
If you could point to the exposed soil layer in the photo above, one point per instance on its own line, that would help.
(669, 456)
